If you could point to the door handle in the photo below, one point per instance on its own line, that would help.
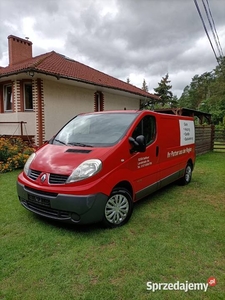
(157, 151)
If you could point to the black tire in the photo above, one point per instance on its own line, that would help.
(186, 179)
(118, 208)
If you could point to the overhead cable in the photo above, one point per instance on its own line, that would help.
(206, 31)
(214, 29)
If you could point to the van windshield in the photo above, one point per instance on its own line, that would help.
(103, 129)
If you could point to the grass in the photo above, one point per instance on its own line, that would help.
(177, 234)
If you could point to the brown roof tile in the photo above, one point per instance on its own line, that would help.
(55, 64)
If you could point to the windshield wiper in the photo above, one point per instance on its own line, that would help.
(61, 142)
(79, 144)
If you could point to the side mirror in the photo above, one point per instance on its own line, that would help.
(139, 144)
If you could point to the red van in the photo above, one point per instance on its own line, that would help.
(99, 164)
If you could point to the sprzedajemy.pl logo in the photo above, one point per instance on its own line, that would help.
(181, 286)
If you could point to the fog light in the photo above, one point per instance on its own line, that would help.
(75, 217)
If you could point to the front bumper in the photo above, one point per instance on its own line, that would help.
(82, 209)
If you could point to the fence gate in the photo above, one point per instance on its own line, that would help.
(219, 140)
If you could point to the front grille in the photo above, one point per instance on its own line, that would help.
(57, 178)
(53, 178)
(47, 211)
(33, 174)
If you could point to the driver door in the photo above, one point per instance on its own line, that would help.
(144, 165)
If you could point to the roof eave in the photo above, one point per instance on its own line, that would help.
(58, 76)
(18, 72)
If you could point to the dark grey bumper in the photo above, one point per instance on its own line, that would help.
(62, 207)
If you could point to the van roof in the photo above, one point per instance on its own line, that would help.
(138, 112)
(114, 112)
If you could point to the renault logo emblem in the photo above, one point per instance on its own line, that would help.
(43, 177)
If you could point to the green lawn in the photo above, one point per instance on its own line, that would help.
(177, 234)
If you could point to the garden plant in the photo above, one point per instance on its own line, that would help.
(13, 154)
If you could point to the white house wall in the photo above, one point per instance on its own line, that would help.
(114, 102)
(62, 102)
(28, 117)
(14, 129)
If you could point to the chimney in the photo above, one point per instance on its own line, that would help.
(19, 49)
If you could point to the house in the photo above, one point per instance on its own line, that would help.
(47, 90)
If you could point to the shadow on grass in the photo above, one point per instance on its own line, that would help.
(96, 227)
(84, 228)
(157, 195)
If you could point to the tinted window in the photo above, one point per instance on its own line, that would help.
(147, 128)
(28, 101)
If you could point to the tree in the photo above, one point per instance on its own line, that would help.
(146, 104)
(163, 90)
(174, 101)
(217, 97)
(206, 92)
(197, 92)
(144, 86)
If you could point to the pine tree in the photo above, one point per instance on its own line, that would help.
(163, 91)
(144, 86)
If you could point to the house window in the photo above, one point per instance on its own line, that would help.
(8, 98)
(28, 99)
(98, 101)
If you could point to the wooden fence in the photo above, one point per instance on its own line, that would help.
(204, 138)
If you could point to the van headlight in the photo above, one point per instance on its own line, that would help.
(87, 169)
(28, 162)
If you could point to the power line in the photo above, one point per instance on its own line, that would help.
(213, 28)
(203, 23)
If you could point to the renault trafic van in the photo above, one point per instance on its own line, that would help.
(99, 164)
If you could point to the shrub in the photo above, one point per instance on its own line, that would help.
(13, 154)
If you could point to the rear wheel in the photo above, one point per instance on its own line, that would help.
(187, 175)
(118, 208)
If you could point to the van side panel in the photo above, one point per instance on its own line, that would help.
(176, 146)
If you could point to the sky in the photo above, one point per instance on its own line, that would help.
(135, 39)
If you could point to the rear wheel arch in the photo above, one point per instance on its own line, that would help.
(191, 163)
(186, 178)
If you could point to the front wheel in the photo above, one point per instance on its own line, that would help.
(187, 175)
(118, 208)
